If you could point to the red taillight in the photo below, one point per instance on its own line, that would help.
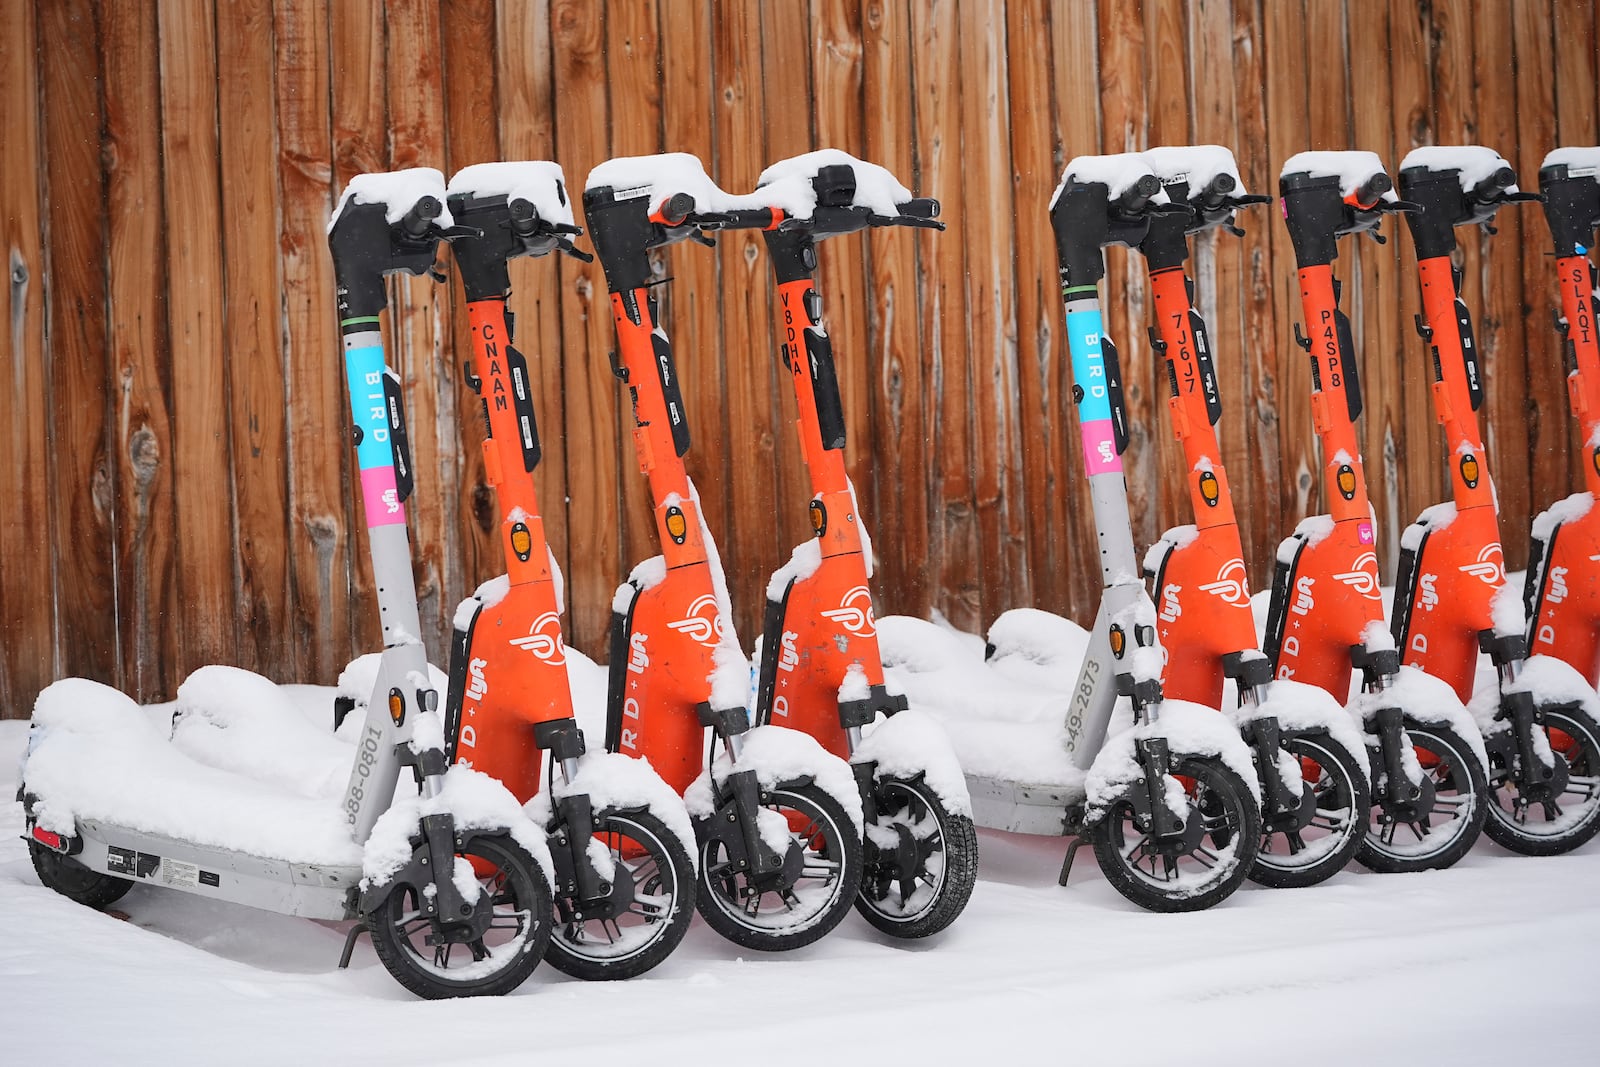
(49, 840)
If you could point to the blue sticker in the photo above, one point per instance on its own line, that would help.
(1088, 365)
(364, 369)
(1582, 251)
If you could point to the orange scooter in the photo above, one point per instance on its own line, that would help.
(820, 669)
(1312, 813)
(1326, 611)
(676, 669)
(1451, 597)
(509, 700)
(1562, 589)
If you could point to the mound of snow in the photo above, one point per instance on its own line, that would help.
(1190, 729)
(1426, 699)
(1197, 164)
(397, 190)
(1351, 168)
(1474, 162)
(614, 782)
(787, 185)
(1302, 707)
(912, 743)
(540, 183)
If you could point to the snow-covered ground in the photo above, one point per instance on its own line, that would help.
(1487, 962)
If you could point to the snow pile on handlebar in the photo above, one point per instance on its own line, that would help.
(398, 191)
(1199, 165)
(539, 183)
(1352, 168)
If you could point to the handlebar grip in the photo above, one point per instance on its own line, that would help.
(922, 207)
(1373, 188)
(1137, 195)
(1494, 184)
(1216, 193)
(675, 209)
(417, 221)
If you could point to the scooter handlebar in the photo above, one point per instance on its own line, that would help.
(417, 222)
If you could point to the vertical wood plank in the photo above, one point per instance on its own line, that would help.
(1074, 41)
(469, 44)
(1037, 498)
(1123, 81)
(1498, 314)
(140, 355)
(689, 306)
(954, 533)
(1389, 356)
(82, 468)
(633, 64)
(982, 227)
(577, 32)
(418, 305)
(253, 340)
(26, 606)
(1288, 116)
(525, 87)
(321, 535)
(360, 143)
(899, 412)
(202, 477)
(756, 416)
(1548, 422)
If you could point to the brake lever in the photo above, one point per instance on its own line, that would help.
(567, 248)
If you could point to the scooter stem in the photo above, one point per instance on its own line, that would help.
(1572, 208)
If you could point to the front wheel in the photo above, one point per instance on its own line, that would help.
(1549, 818)
(1303, 847)
(646, 914)
(780, 911)
(497, 955)
(1195, 869)
(1434, 829)
(920, 861)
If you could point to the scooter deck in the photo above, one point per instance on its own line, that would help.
(307, 890)
(1022, 807)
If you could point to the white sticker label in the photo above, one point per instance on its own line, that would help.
(175, 872)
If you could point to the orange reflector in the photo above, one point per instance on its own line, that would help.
(521, 542)
(1210, 488)
(1347, 481)
(819, 518)
(1469, 470)
(677, 526)
(397, 707)
(1119, 641)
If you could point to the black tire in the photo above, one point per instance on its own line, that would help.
(1318, 851)
(1456, 773)
(833, 853)
(1232, 826)
(1580, 750)
(75, 881)
(657, 917)
(519, 891)
(919, 861)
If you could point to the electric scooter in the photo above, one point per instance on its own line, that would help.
(110, 802)
(820, 667)
(1314, 789)
(777, 819)
(1562, 589)
(509, 700)
(1168, 799)
(1451, 597)
(1326, 611)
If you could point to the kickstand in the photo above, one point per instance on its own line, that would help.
(1066, 864)
(350, 943)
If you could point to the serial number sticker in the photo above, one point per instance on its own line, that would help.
(178, 873)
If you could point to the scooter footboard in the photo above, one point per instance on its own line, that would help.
(1562, 590)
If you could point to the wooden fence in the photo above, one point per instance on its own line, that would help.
(177, 488)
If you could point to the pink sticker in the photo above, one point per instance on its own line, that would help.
(1364, 533)
(381, 498)
(1099, 448)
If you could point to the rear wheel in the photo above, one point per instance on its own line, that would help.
(920, 861)
(1307, 846)
(1196, 869)
(1435, 829)
(778, 912)
(75, 881)
(647, 914)
(1557, 816)
(509, 938)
